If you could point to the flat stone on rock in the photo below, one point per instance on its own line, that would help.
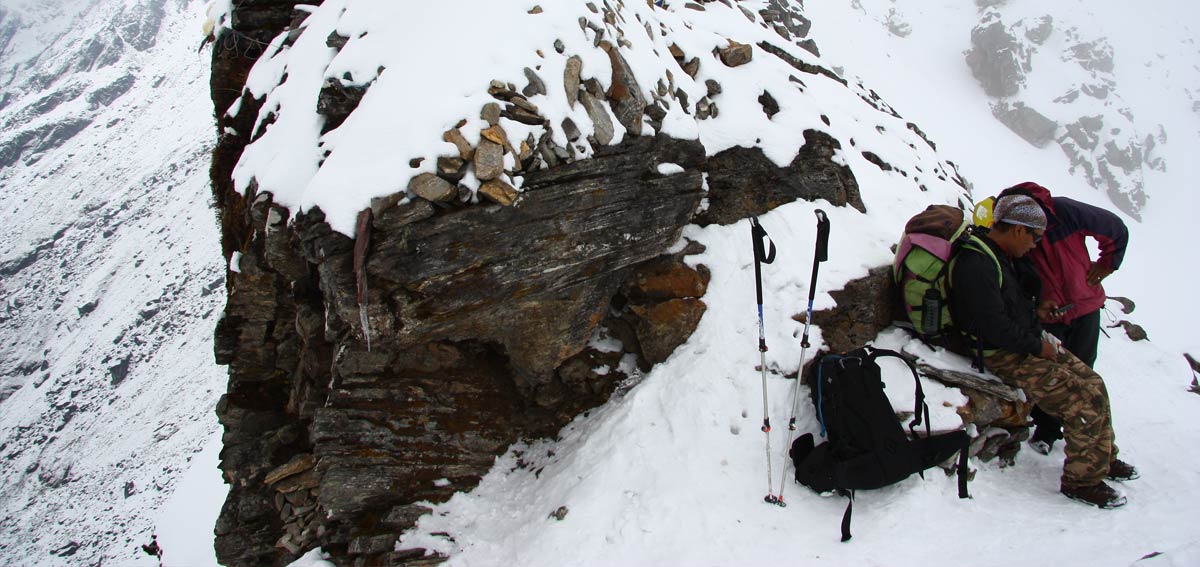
(491, 113)
(536, 85)
(297, 465)
(432, 188)
(602, 122)
(499, 192)
(625, 95)
(498, 135)
(570, 129)
(571, 77)
(489, 160)
(455, 137)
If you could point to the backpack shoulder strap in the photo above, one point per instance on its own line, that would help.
(973, 243)
(920, 408)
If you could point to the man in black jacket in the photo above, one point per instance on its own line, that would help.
(999, 311)
(1071, 278)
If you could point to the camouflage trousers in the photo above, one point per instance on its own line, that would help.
(1070, 391)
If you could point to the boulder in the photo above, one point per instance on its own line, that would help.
(480, 321)
(664, 326)
(736, 54)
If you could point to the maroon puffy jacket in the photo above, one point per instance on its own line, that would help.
(1062, 258)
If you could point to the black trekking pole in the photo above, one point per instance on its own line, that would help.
(763, 256)
(820, 255)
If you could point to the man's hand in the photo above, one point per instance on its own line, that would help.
(1049, 351)
(1046, 312)
(1097, 273)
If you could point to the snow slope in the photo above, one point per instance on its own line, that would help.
(110, 278)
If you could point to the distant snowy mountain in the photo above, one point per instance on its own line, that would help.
(111, 281)
(1054, 77)
(110, 274)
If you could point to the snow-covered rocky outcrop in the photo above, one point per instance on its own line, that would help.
(1055, 83)
(403, 256)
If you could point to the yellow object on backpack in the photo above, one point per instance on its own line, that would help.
(983, 212)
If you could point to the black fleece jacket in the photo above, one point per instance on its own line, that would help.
(1003, 315)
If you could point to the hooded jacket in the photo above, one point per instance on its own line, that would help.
(1062, 260)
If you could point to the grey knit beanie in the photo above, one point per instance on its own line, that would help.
(1020, 209)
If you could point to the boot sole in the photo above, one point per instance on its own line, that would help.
(1106, 506)
(1123, 479)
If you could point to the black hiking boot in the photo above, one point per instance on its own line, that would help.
(1099, 495)
(1122, 471)
(1040, 446)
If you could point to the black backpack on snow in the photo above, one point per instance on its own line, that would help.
(866, 446)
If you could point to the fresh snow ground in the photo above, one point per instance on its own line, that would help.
(670, 472)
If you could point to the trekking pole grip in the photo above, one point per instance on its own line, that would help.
(822, 235)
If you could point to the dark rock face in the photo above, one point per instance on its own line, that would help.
(743, 182)
(105, 95)
(1026, 122)
(29, 143)
(337, 101)
(478, 320)
(450, 270)
(142, 23)
(997, 58)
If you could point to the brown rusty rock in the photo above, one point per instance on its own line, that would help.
(451, 168)
(303, 481)
(499, 192)
(455, 137)
(736, 54)
(432, 188)
(298, 464)
(498, 135)
(625, 95)
(661, 328)
(666, 279)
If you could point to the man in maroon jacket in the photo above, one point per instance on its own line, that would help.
(1071, 281)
